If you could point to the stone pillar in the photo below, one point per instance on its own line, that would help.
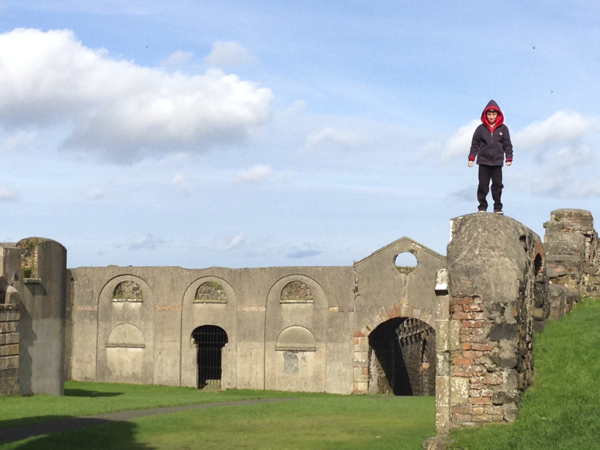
(572, 261)
(43, 309)
(493, 262)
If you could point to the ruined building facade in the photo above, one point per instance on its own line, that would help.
(459, 326)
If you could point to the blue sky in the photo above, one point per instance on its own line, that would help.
(248, 134)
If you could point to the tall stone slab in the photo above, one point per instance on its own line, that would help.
(572, 260)
(43, 307)
(495, 273)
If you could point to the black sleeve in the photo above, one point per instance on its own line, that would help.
(507, 145)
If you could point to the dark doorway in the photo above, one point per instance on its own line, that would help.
(210, 340)
(402, 358)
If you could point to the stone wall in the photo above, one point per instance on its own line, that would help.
(572, 258)
(485, 319)
(9, 349)
(9, 320)
(287, 328)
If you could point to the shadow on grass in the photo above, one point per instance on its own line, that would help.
(89, 393)
(75, 433)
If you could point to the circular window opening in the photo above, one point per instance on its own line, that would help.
(405, 262)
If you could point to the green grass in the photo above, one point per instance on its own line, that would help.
(84, 399)
(313, 421)
(561, 410)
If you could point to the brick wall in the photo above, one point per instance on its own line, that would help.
(9, 349)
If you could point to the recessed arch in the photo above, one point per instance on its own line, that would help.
(125, 335)
(295, 338)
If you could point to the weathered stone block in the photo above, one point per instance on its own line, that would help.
(454, 339)
(459, 391)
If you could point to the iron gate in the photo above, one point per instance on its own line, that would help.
(210, 340)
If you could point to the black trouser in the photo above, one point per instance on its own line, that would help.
(485, 174)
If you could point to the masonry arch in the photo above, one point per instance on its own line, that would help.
(125, 354)
(402, 358)
(209, 341)
(125, 323)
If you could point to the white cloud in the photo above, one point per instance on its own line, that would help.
(148, 242)
(115, 106)
(330, 137)
(562, 129)
(176, 59)
(459, 144)
(234, 242)
(305, 252)
(18, 140)
(565, 164)
(95, 193)
(228, 54)
(180, 181)
(7, 194)
(254, 174)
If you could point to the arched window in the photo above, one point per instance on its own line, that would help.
(128, 291)
(296, 292)
(210, 292)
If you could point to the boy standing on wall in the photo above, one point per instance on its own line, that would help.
(491, 141)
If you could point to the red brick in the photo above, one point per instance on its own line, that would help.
(473, 308)
(457, 308)
(462, 361)
(459, 371)
(460, 316)
(472, 324)
(462, 301)
(482, 347)
(359, 334)
(466, 346)
(480, 401)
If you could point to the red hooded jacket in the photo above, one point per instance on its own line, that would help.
(491, 143)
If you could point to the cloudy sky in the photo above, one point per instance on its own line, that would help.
(247, 134)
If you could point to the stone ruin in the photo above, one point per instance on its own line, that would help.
(460, 326)
(500, 285)
(33, 292)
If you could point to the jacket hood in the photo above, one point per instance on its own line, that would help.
(499, 120)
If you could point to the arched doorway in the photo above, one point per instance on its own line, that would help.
(402, 358)
(210, 340)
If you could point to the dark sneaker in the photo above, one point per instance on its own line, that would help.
(499, 212)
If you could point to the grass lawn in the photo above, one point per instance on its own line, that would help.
(313, 421)
(561, 410)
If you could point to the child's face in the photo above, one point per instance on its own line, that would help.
(491, 116)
